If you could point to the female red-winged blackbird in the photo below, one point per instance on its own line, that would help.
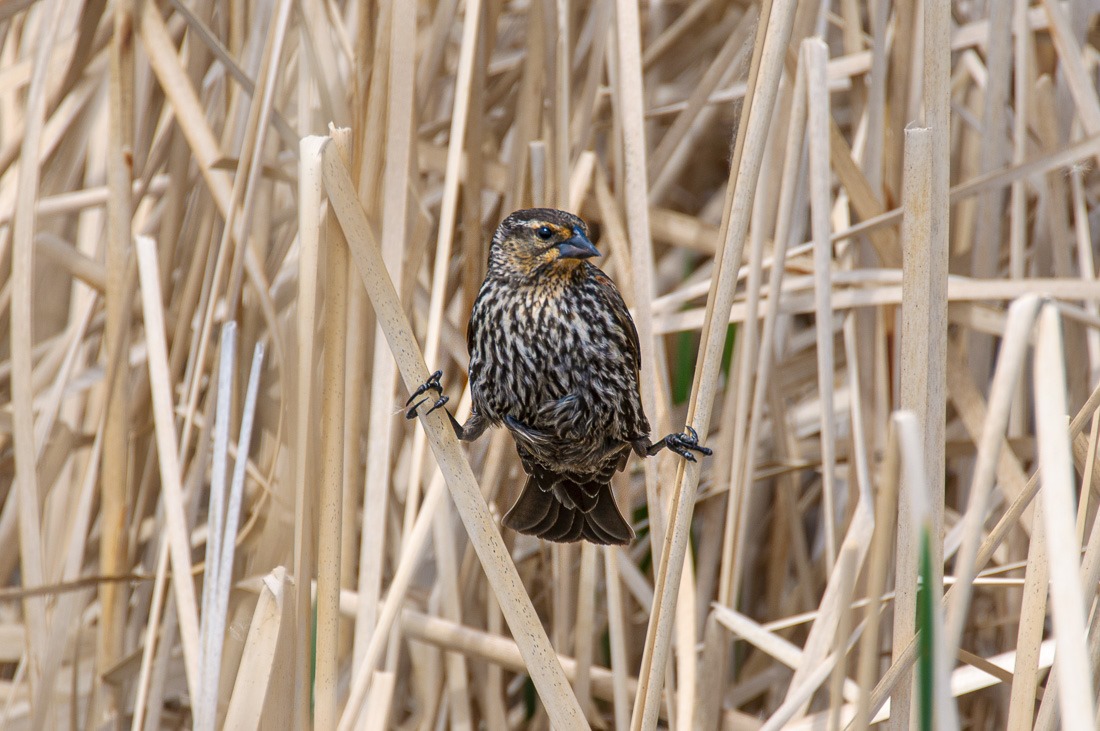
(554, 357)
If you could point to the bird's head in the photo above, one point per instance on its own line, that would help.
(537, 241)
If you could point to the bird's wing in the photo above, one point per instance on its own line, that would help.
(471, 328)
(476, 317)
(619, 311)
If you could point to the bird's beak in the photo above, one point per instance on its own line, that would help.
(577, 247)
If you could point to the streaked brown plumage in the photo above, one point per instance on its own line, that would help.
(554, 357)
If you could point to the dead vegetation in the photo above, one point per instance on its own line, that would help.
(858, 242)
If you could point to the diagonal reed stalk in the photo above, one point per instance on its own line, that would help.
(774, 30)
(545, 670)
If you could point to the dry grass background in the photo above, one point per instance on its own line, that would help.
(213, 512)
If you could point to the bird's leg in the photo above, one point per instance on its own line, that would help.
(682, 444)
(474, 426)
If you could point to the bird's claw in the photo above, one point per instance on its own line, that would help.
(439, 402)
(432, 384)
(685, 443)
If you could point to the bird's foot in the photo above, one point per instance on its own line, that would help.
(682, 444)
(432, 384)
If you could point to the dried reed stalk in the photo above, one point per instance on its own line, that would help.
(560, 702)
(158, 182)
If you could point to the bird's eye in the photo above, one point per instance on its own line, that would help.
(544, 233)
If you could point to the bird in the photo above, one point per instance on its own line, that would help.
(555, 359)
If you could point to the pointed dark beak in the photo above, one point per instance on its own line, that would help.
(577, 247)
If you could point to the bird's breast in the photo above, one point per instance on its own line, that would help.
(556, 361)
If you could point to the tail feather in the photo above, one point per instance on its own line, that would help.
(550, 519)
(531, 509)
(568, 527)
(607, 526)
(558, 508)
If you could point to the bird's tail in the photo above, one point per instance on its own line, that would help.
(564, 508)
